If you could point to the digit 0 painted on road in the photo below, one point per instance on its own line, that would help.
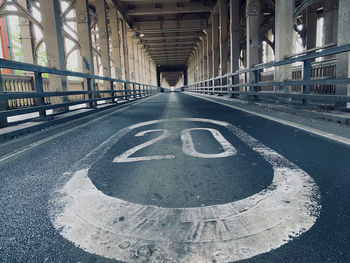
(131, 232)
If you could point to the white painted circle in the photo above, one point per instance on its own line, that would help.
(130, 232)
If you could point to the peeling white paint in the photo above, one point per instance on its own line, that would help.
(130, 232)
(189, 149)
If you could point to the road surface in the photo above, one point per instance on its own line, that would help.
(174, 178)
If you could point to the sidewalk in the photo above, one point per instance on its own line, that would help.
(331, 124)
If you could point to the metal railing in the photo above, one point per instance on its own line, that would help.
(25, 94)
(314, 82)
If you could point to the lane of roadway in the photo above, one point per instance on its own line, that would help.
(173, 179)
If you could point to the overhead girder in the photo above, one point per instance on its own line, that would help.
(171, 26)
(171, 43)
(184, 34)
(172, 40)
(171, 53)
(160, 38)
(162, 8)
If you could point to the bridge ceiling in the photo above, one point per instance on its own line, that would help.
(169, 29)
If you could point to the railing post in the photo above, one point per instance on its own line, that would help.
(307, 76)
(112, 88)
(134, 90)
(3, 104)
(39, 89)
(125, 93)
(91, 96)
(256, 80)
(139, 90)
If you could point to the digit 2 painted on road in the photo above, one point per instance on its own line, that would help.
(131, 232)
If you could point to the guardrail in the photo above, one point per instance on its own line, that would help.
(307, 89)
(25, 94)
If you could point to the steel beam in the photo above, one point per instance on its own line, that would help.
(53, 38)
(103, 32)
(167, 8)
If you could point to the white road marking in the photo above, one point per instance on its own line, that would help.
(124, 157)
(330, 136)
(47, 139)
(189, 149)
(130, 232)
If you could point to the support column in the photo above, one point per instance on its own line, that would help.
(139, 54)
(253, 30)
(283, 39)
(125, 51)
(85, 41)
(200, 54)
(55, 53)
(130, 35)
(136, 60)
(343, 60)
(27, 39)
(84, 35)
(223, 37)
(234, 37)
(205, 58)
(143, 72)
(116, 43)
(311, 26)
(330, 22)
(209, 53)
(101, 9)
(215, 44)
(198, 63)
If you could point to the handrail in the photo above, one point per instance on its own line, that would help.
(40, 96)
(297, 58)
(209, 85)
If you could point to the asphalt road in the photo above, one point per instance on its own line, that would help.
(188, 168)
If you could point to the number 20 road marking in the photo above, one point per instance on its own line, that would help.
(227, 232)
(187, 146)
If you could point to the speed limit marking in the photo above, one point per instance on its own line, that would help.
(131, 232)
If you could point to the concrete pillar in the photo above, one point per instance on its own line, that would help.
(143, 63)
(139, 54)
(343, 60)
(125, 51)
(103, 33)
(116, 42)
(149, 79)
(223, 37)
(253, 30)
(234, 36)
(145, 66)
(55, 53)
(84, 36)
(198, 55)
(205, 58)
(85, 41)
(215, 45)
(311, 26)
(330, 22)
(136, 59)
(283, 38)
(209, 53)
(129, 39)
(27, 39)
(201, 61)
